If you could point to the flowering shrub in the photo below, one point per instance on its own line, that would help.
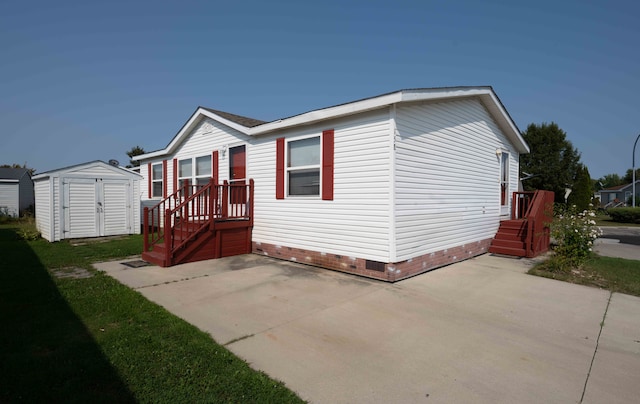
(574, 233)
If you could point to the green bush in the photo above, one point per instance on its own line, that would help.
(27, 230)
(625, 215)
(574, 233)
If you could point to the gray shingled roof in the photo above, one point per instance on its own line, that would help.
(239, 119)
(12, 173)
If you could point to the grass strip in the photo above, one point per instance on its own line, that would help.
(614, 274)
(95, 340)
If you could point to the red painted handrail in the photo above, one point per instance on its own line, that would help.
(183, 215)
(537, 209)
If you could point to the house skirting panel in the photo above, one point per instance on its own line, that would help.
(390, 272)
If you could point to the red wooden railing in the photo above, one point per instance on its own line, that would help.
(180, 217)
(536, 208)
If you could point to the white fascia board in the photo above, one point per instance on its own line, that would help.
(516, 136)
(9, 180)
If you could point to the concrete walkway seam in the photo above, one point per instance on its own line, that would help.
(586, 382)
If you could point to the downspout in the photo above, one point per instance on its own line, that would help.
(393, 131)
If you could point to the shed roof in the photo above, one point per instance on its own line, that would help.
(62, 170)
(15, 174)
(255, 127)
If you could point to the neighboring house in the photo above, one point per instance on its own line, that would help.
(92, 199)
(16, 191)
(619, 195)
(386, 187)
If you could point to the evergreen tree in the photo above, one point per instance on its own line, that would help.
(135, 151)
(553, 161)
(582, 192)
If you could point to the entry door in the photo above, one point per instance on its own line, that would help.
(95, 208)
(237, 173)
(504, 184)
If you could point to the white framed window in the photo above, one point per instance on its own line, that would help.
(157, 180)
(197, 170)
(303, 167)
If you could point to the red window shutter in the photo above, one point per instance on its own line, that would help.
(175, 175)
(327, 165)
(149, 174)
(214, 168)
(164, 178)
(280, 168)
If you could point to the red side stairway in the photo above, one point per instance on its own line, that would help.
(199, 222)
(527, 234)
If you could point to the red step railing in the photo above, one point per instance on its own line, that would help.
(181, 217)
(536, 208)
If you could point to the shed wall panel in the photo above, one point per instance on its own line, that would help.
(447, 180)
(43, 208)
(9, 198)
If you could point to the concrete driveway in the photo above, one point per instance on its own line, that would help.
(477, 331)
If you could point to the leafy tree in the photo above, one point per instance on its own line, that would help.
(135, 151)
(611, 180)
(14, 165)
(582, 192)
(553, 161)
(628, 176)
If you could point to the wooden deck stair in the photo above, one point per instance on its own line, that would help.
(527, 233)
(510, 239)
(199, 223)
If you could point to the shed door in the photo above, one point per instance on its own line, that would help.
(115, 217)
(94, 208)
(80, 206)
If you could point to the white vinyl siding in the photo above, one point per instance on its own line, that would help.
(43, 208)
(447, 178)
(356, 222)
(206, 137)
(9, 198)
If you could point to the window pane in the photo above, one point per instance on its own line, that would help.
(203, 166)
(305, 152)
(156, 171)
(305, 182)
(157, 189)
(185, 168)
(202, 181)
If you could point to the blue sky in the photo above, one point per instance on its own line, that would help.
(83, 80)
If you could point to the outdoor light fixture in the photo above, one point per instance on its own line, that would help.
(223, 150)
(498, 152)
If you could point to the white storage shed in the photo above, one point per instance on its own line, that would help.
(93, 199)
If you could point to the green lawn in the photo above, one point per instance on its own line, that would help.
(614, 274)
(95, 340)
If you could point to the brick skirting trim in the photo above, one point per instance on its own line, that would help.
(392, 271)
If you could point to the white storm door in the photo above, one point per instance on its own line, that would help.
(80, 206)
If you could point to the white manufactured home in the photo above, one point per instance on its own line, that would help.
(386, 187)
(93, 199)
